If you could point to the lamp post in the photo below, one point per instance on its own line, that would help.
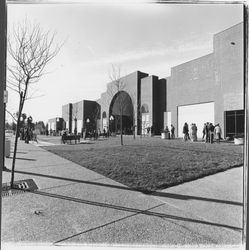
(87, 125)
(30, 119)
(75, 126)
(111, 122)
(3, 33)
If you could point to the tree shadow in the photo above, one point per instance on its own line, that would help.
(24, 159)
(19, 152)
(103, 225)
(151, 193)
(135, 210)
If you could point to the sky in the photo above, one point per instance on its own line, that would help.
(148, 37)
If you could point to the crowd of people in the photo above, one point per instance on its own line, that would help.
(210, 132)
(170, 134)
(27, 135)
(91, 133)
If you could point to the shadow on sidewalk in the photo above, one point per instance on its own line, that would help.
(18, 152)
(152, 193)
(103, 225)
(25, 159)
(135, 210)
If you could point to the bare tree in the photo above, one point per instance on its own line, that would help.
(30, 50)
(137, 114)
(75, 113)
(96, 115)
(115, 89)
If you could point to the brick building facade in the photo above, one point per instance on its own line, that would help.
(206, 89)
(210, 88)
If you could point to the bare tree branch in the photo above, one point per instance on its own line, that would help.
(115, 89)
(30, 50)
(11, 115)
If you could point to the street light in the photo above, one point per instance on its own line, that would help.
(111, 121)
(87, 123)
(87, 126)
(75, 125)
(30, 119)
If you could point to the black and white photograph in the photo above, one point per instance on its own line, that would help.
(123, 124)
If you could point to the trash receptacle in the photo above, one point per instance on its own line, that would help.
(7, 148)
(238, 141)
(163, 135)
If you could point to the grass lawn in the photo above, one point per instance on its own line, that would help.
(149, 164)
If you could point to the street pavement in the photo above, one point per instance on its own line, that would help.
(74, 205)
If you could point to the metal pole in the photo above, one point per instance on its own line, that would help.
(3, 34)
(246, 136)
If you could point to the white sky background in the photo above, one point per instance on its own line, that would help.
(150, 38)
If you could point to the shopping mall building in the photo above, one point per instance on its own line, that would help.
(206, 89)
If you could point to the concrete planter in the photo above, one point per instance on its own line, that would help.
(238, 141)
(7, 148)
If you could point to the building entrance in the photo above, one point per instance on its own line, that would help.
(121, 113)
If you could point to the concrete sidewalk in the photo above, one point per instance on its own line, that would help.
(74, 205)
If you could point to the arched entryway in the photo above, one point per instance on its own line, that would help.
(121, 108)
(145, 119)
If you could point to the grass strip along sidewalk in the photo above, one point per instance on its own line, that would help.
(149, 164)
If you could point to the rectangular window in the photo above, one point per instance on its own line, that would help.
(234, 123)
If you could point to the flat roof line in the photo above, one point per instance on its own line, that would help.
(241, 23)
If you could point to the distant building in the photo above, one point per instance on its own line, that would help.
(67, 116)
(145, 104)
(81, 115)
(206, 89)
(55, 125)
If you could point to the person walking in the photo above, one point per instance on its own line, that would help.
(26, 135)
(217, 132)
(204, 131)
(191, 133)
(194, 132)
(185, 132)
(207, 132)
(172, 132)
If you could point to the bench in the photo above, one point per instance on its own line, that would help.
(66, 138)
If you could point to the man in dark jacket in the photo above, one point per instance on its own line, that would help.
(207, 131)
(211, 133)
(185, 132)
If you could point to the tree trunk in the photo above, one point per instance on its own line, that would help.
(15, 145)
(121, 130)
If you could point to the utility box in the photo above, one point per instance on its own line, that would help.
(7, 148)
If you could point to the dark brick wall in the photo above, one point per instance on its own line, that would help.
(67, 115)
(153, 94)
(91, 111)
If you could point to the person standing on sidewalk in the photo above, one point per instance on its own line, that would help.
(204, 131)
(26, 135)
(172, 132)
(211, 133)
(194, 133)
(207, 132)
(217, 132)
(185, 132)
